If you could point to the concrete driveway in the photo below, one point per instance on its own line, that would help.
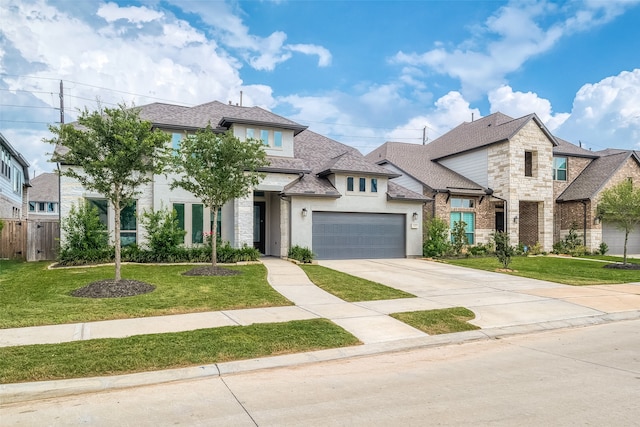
(498, 300)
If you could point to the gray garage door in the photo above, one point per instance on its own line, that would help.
(339, 235)
(614, 238)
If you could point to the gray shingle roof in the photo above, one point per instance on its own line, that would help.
(398, 192)
(595, 176)
(569, 149)
(221, 116)
(485, 131)
(416, 161)
(44, 188)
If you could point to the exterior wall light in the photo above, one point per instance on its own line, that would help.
(304, 212)
(515, 219)
(415, 216)
(596, 220)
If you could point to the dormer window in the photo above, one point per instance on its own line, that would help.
(264, 136)
(374, 185)
(277, 138)
(350, 183)
(363, 184)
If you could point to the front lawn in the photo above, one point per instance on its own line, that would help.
(566, 270)
(350, 288)
(32, 295)
(115, 356)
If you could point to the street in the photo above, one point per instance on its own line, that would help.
(583, 376)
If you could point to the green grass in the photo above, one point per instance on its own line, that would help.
(32, 295)
(350, 288)
(164, 351)
(569, 271)
(443, 321)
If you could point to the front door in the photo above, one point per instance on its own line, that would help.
(259, 225)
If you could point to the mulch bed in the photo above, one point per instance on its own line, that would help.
(210, 271)
(627, 266)
(109, 288)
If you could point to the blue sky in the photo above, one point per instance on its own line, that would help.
(361, 72)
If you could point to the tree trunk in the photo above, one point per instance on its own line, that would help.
(626, 237)
(214, 238)
(116, 209)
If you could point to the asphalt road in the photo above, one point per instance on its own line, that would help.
(584, 376)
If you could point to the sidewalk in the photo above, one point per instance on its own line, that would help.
(504, 305)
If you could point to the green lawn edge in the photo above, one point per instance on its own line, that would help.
(558, 269)
(439, 321)
(143, 353)
(350, 288)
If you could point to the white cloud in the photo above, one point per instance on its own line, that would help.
(607, 113)
(262, 53)
(324, 56)
(518, 104)
(450, 111)
(509, 38)
(112, 12)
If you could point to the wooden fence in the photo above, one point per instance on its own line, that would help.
(30, 240)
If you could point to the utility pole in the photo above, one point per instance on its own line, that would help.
(61, 103)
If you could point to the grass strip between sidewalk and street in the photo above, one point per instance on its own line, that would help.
(141, 353)
(441, 321)
(565, 270)
(350, 288)
(33, 295)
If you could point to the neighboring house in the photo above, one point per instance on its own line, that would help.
(14, 182)
(43, 197)
(317, 192)
(500, 173)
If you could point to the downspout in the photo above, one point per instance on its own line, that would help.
(584, 217)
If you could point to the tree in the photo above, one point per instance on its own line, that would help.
(621, 205)
(504, 250)
(218, 168)
(113, 152)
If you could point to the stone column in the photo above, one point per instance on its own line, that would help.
(243, 221)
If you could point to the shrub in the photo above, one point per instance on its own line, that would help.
(304, 255)
(504, 251)
(603, 248)
(481, 249)
(459, 237)
(535, 249)
(86, 238)
(436, 243)
(163, 233)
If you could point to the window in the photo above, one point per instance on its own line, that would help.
(101, 206)
(462, 203)
(179, 208)
(250, 133)
(175, 142)
(5, 163)
(197, 218)
(528, 163)
(277, 139)
(51, 207)
(559, 168)
(32, 206)
(363, 184)
(41, 206)
(350, 183)
(17, 180)
(128, 225)
(469, 220)
(374, 185)
(264, 136)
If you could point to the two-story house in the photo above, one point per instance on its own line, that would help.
(14, 182)
(316, 193)
(44, 197)
(500, 173)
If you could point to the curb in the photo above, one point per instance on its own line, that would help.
(26, 392)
